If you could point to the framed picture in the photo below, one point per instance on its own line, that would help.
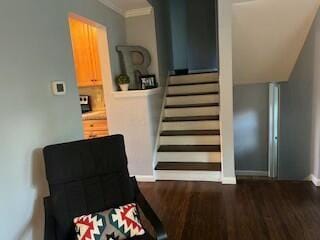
(148, 82)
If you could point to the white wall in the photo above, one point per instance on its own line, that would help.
(35, 50)
(136, 115)
(268, 36)
(226, 90)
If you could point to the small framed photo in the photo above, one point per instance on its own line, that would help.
(148, 82)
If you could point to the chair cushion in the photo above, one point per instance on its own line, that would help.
(116, 223)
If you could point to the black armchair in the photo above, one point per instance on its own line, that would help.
(90, 176)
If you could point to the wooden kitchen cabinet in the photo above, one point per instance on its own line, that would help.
(95, 128)
(85, 53)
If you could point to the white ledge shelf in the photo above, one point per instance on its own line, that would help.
(136, 93)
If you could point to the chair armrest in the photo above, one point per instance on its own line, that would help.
(149, 213)
(49, 229)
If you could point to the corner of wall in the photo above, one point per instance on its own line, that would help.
(226, 90)
(229, 180)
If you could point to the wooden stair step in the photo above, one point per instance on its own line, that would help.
(190, 133)
(191, 119)
(188, 166)
(193, 83)
(199, 105)
(189, 148)
(192, 94)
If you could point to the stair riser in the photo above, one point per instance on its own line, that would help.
(214, 98)
(184, 112)
(201, 88)
(207, 77)
(203, 176)
(196, 125)
(190, 140)
(189, 157)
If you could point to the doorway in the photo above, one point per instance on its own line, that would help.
(256, 126)
(89, 64)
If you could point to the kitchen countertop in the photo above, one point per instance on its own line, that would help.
(94, 115)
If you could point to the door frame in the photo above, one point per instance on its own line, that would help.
(105, 63)
(274, 125)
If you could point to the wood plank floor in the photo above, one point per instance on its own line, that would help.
(252, 209)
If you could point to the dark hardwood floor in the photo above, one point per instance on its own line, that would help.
(252, 209)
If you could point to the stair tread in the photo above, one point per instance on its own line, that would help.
(190, 133)
(189, 148)
(192, 94)
(193, 118)
(193, 83)
(188, 166)
(198, 105)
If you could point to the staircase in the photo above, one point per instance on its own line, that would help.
(189, 141)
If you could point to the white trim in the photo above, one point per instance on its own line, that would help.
(274, 98)
(136, 93)
(138, 12)
(113, 6)
(145, 178)
(206, 176)
(252, 173)
(229, 180)
(226, 91)
(315, 180)
(164, 101)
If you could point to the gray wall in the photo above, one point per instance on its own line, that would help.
(141, 31)
(35, 50)
(300, 113)
(251, 127)
(194, 34)
(202, 35)
(163, 32)
(178, 16)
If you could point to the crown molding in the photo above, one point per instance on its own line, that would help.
(127, 14)
(138, 12)
(113, 6)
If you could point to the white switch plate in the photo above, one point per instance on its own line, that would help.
(58, 88)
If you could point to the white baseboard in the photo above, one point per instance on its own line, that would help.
(252, 173)
(229, 180)
(145, 178)
(315, 181)
(205, 176)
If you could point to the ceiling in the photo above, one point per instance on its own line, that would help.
(268, 36)
(123, 6)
